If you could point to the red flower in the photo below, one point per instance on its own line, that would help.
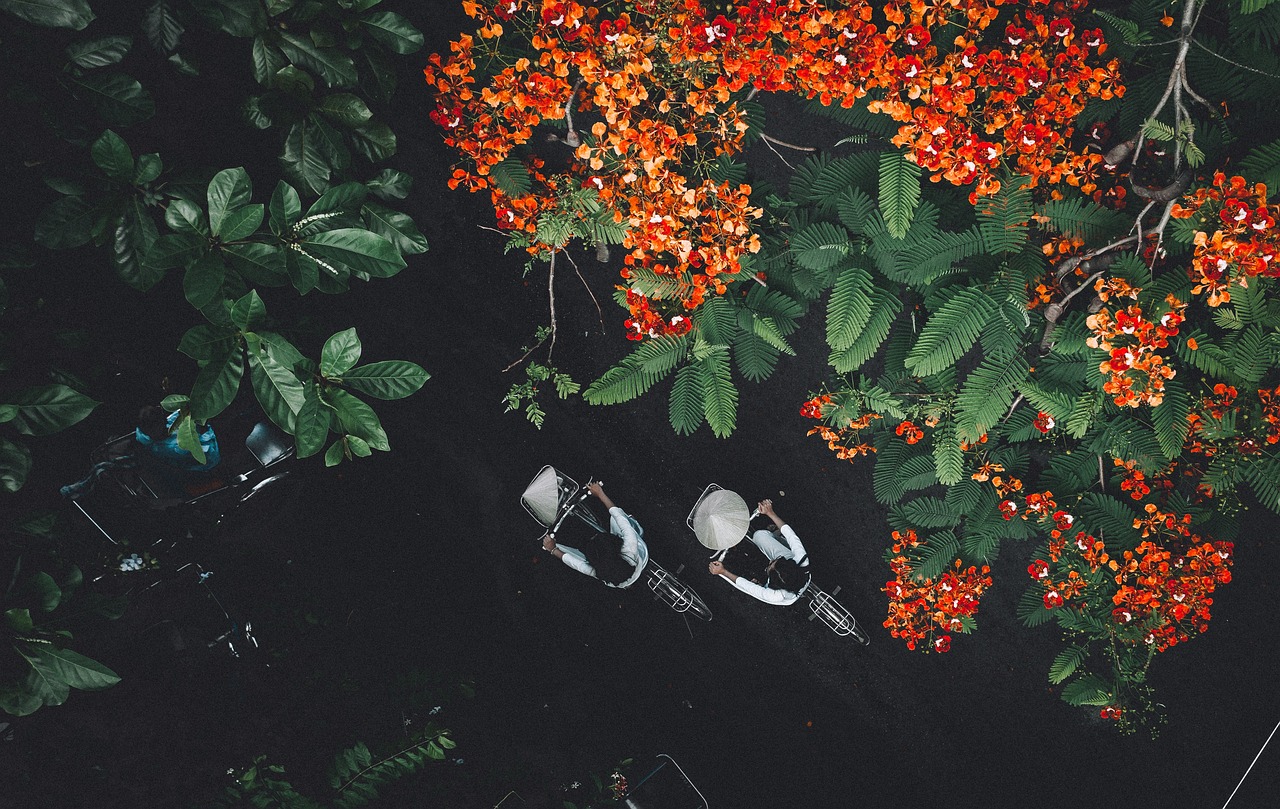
(1044, 422)
(916, 36)
(942, 644)
(1008, 508)
(1111, 712)
(1052, 600)
(1039, 569)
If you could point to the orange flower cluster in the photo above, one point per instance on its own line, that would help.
(1245, 242)
(1270, 400)
(1063, 577)
(655, 86)
(1165, 596)
(846, 440)
(924, 612)
(1136, 370)
(909, 432)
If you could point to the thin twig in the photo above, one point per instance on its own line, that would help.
(599, 313)
(1012, 408)
(551, 300)
(779, 154)
(774, 140)
(571, 137)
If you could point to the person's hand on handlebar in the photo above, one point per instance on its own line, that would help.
(548, 543)
(596, 488)
(717, 568)
(765, 507)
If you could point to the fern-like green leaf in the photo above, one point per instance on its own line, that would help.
(896, 473)
(1263, 476)
(755, 358)
(951, 331)
(884, 308)
(1109, 519)
(940, 550)
(685, 405)
(838, 176)
(899, 192)
(1003, 218)
(1031, 610)
(948, 459)
(1081, 217)
(1169, 418)
(855, 207)
(716, 320)
(511, 177)
(926, 512)
(820, 246)
(1156, 129)
(1263, 165)
(1089, 689)
(1066, 663)
(981, 542)
(849, 308)
(719, 396)
(652, 361)
(987, 394)
(1250, 355)
(767, 329)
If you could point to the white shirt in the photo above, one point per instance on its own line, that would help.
(623, 526)
(770, 595)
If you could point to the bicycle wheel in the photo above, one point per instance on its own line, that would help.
(838, 619)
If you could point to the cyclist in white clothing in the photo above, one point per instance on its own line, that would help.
(786, 577)
(617, 558)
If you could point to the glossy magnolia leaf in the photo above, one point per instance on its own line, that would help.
(390, 184)
(396, 227)
(357, 418)
(241, 223)
(61, 668)
(343, 198)
(204, 342)
(899, 192)
(119, 99)
(15, 465)
(217, 384)
(302, 160)
(202, 282)
(188, 435)
(334, 455)
(184, 216)
(229, 191)
(161, 26)
(239, 18)
(73, 14)
(284, 209)
(268, 61)
(135, 235)
(358, 249)
(340, 353)
(335, 67)
(100, 52)
(48, 409)
(311, 427)
(375, 140)
(66, 223)
(393, 31)
(258, 263)
(387, 379)
(345, 109)
(249, 311)
(278, 390)
(174, 250)
(303, 271)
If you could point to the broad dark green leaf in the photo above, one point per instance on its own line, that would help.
(335, 67)
(241, 223)
(15, 464)
(393, 31)
(357, 418)
(396, 227)
(188, 435)
(183, 65)
(358, 447)
(374, 140)
(344, 197)
(100, 52)
(18, 619)
(256, 112)
(217, 383)
(135, 236)
(46, 591)
(119, 99)
(66, 223)
(303, 271)
(175, 401)
(358, 249)
(302, 161)
(185, 217)
(66, 666)
(294, 81)
(258, 263)
(340, 353)
(312, 424)
(112, 155)
(16, 701)
(239, 18)
(390, 184)
(378, 78)
(333, 456)
(345, 109)
(202, 282)
(204, 342)
(73, 14)
(174, 250)
(229, 190)
(284, 209)
(47, 409)
(249, 311)
(267, 60)
(278, 390)
(148, 168)
(161, 26)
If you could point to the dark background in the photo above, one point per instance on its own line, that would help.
(377, 588)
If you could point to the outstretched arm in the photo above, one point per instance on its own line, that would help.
(765, 507)
(598, 491)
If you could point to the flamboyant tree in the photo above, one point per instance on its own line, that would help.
(1043, 242)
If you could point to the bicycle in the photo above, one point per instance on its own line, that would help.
(720, 520)
(552, 497)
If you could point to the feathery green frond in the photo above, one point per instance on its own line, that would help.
(1003, 217)
(820, 246)
(987, 394)
(947, 456)
(719, 396)
(1066, 663)
(884, 308)
(650, 362)
(899, 192)
(950, 331)
(685, 406)
(849, 308)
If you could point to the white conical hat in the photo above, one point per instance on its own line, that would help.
(721, 520)
(542, 497)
